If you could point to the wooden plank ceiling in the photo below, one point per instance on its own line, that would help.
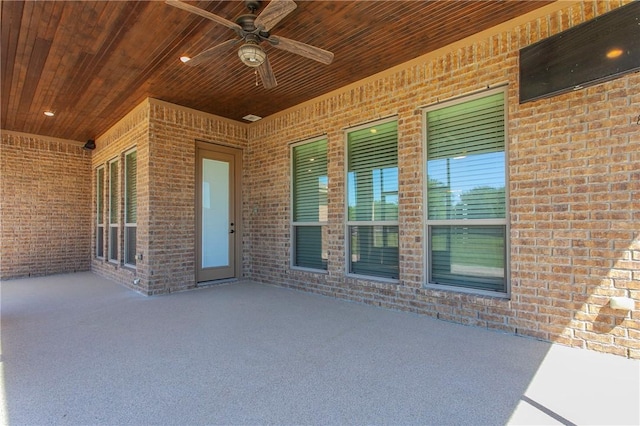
(91, 62)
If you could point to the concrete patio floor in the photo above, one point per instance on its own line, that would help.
(79, 349)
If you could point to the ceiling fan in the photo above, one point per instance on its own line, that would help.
(253, 30)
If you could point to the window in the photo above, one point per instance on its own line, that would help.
(309, 205)
(466, 199)
(130, 207)
(100, 212)
(372, 200)
(113, 211)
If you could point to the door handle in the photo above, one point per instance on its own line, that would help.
(232, 231)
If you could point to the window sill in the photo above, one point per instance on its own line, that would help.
(311, 270)
(469, 291)
(373, 278)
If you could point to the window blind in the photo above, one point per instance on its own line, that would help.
(373, 173)
(113, 192)
(100, 195)
(466, 181)
(130, 206)
(130, 233)
(100, 212)
(113, 211)
(472, 127)
(310, 182)
(309, 216)
(466, 160)
(310, 252)
(372, 200)
(468, 256)
(131, 193)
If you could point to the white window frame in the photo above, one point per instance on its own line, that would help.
(375, 223)
(295, 224)
(467, 222)
(128, 225)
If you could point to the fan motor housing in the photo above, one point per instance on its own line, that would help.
(249, 28)
(247, 22)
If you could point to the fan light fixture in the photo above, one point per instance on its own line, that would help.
(251, 54)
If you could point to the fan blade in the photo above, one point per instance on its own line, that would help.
(212, 51)
(205, 14)
(266, 75)
(273, 13)
(302, 49)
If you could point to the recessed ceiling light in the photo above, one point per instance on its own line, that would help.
(49, 113)
(251, 117)
(185, 59)
(614, 53)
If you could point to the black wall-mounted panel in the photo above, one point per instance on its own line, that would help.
(590, 53)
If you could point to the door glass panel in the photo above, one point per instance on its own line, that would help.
(215, 213)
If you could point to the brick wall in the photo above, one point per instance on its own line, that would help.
(574, 167)
(130, 132)
(173, 133)
(45, 196)
(164, 136)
